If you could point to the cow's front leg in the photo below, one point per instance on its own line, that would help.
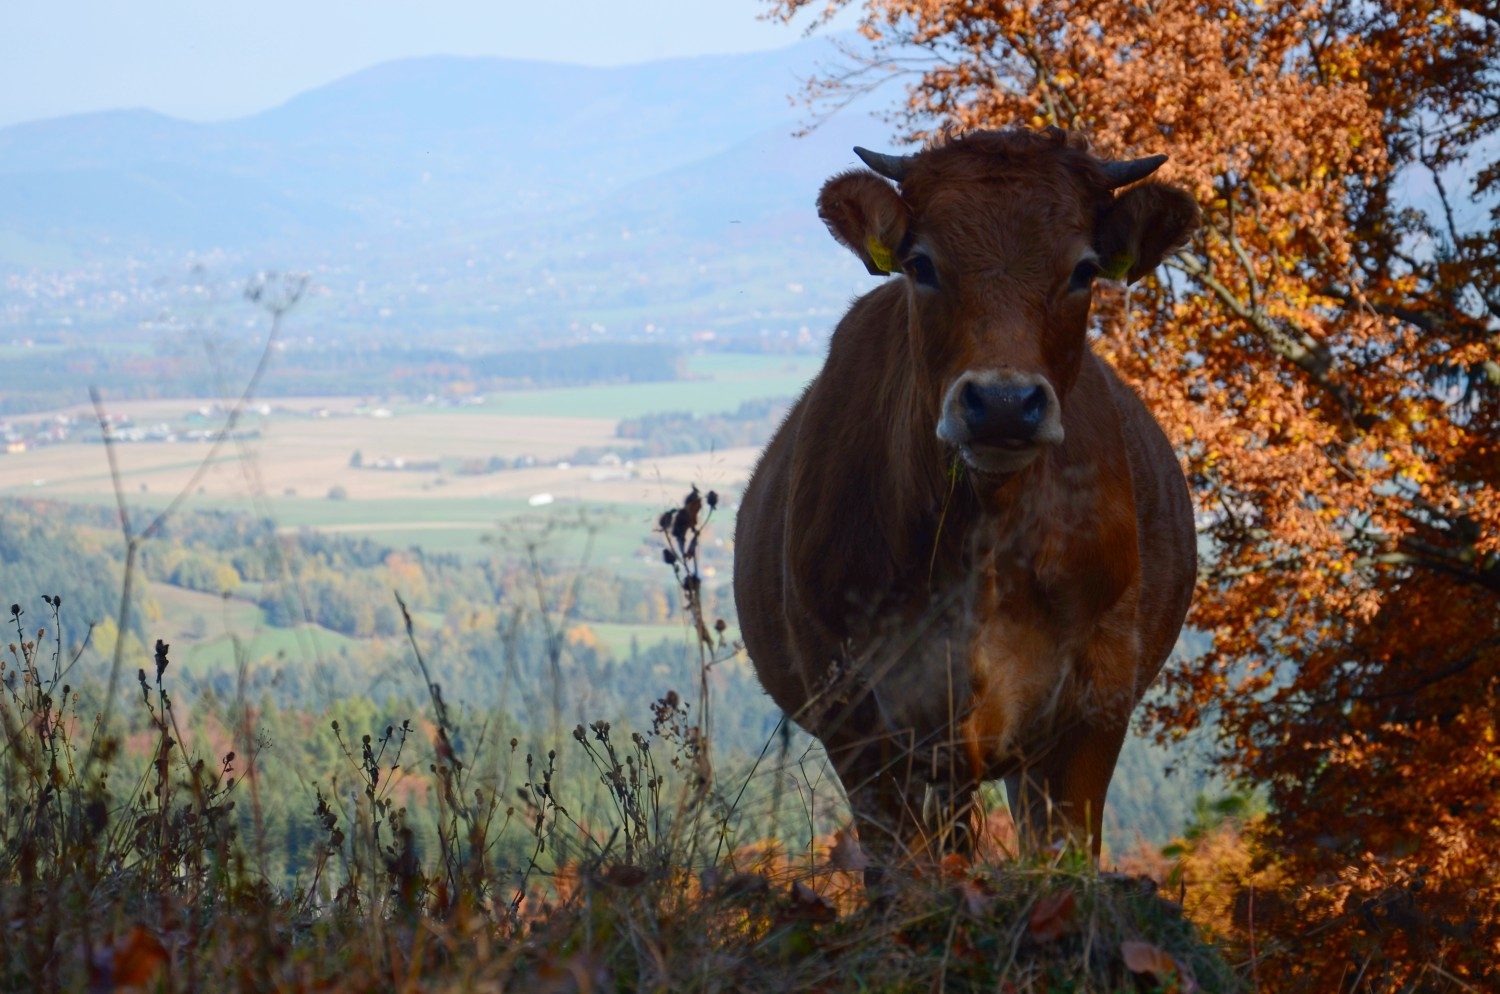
(1060, 795)
(885, 800)
(948, 815)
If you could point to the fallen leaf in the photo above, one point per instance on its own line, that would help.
(745, 885)
(954, 866)
(1052, 916)
(578, 974)
(975, 899)
(136, 959)
(846, 853)
(624, 875)
(1145, 958)
(809, 905)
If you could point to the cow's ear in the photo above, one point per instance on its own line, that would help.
(867, 216)
(1142, 225)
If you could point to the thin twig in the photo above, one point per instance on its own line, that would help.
(291, 289)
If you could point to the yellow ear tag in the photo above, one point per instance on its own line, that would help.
(880, 254)
(1116, 268)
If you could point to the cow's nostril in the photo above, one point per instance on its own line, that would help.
(975, 404)
(1005, 414)
(1034, 407)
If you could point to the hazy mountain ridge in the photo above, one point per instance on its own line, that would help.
(416, 143)
(449, 195)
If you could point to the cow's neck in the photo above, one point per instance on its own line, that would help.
(882, 519)
(956, 524)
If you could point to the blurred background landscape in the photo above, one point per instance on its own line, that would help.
(545, 300)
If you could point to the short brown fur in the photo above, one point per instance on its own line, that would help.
(935, 624)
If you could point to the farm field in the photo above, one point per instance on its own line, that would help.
(297, 471)
(718, 382)
(210, 633)
(617, 638)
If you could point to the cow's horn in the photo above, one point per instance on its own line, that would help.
(890, 166)
(1121, 173)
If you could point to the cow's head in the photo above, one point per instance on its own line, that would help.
(1000, 236)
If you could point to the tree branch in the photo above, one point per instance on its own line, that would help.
(1300, 349)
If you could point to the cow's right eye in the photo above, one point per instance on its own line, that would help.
(920, 268)
(1084, 275)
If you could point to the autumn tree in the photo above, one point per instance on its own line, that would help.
(1324, 355)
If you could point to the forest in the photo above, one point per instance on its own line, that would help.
(337, 367)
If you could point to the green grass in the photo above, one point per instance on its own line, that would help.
(718, 382)
(127, 473)
(202, 629)
(616, 636)
(619, 532)
(307, 642)
(471, 526)
(740, 365)
(319, 512)
(561, 530)
(219, 614)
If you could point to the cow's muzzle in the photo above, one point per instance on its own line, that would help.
(998, 420)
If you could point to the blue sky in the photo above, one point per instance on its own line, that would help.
(212, 59)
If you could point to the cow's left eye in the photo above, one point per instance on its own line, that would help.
(920, 268)
(1084, 275)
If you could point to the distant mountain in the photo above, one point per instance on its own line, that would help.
(419, 143)
(491, 202)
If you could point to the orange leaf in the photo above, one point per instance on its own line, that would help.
(138, 957)
(1143, 957)
(954, 866)
(624, 875)
(976, 900)
(1052, 916)
(745, 885)
(809, 905)
(846, 853)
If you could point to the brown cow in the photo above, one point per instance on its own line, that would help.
(970, 548)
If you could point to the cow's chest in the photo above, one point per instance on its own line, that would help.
(1029, 662)
(1027, 684)
(990, 668)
